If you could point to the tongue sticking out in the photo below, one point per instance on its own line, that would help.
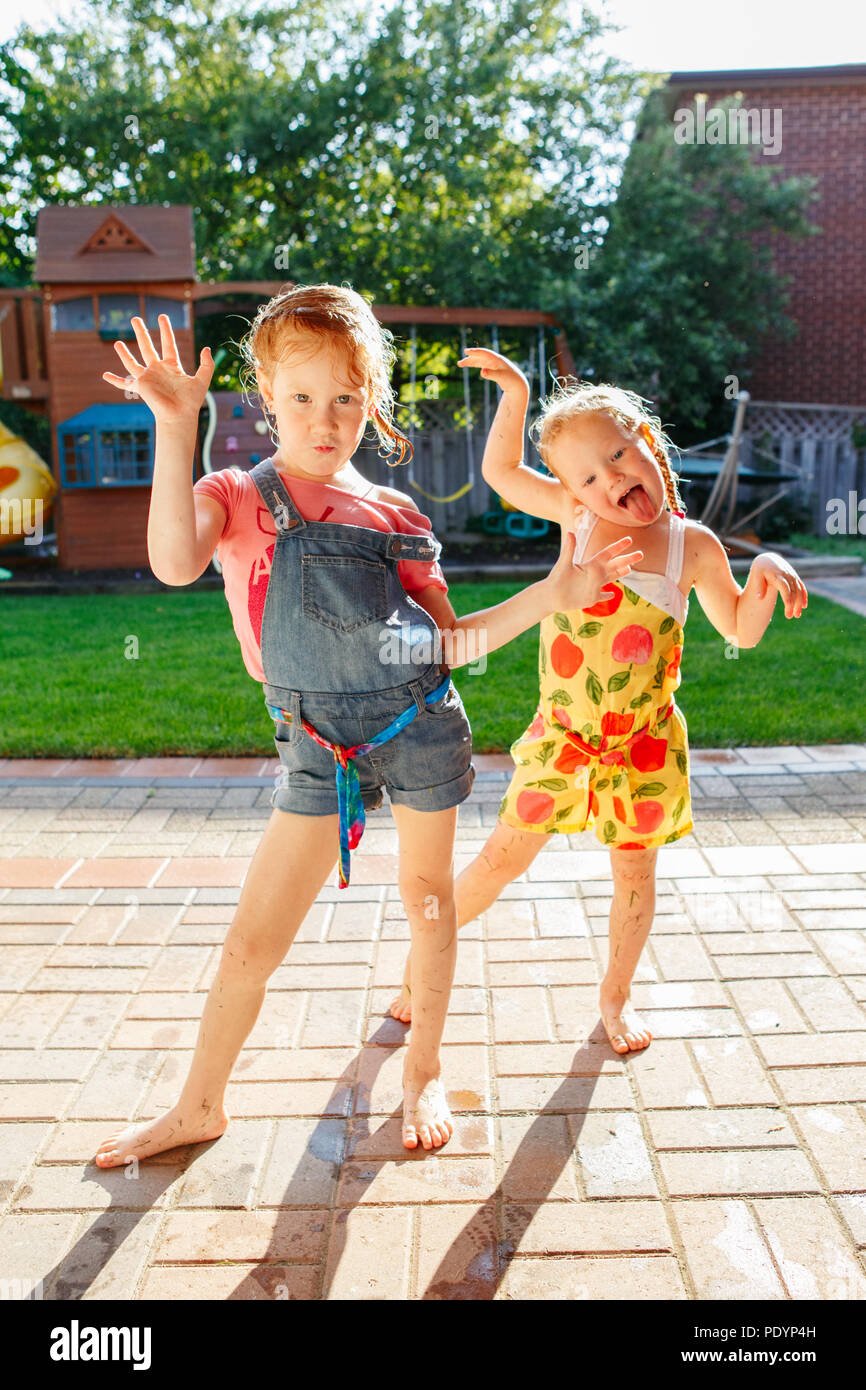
(638, 505)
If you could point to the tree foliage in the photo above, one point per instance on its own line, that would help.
(455, 152)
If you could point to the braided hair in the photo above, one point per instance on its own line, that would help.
(672, 494)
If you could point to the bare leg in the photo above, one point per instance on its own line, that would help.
(506, 855)
(427, 891)
(289, 867)
(631, 916)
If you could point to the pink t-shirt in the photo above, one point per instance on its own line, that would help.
(246, 546)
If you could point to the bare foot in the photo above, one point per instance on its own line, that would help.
(401, 1007)
(426, 1116)
(624, 1027)
(167, 1131)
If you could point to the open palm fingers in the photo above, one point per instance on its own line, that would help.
(134, 369)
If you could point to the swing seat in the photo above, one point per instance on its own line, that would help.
(493, 522)
(522, 524)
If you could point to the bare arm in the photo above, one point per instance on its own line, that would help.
(568, 586)
(743, 615)
(183, 529)
(502, 465)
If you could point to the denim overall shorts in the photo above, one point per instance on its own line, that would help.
(346, 653)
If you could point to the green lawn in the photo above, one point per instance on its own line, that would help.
(69, 690)
(849, 546)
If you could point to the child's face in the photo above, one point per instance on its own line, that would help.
(609, 469)
(321, 408)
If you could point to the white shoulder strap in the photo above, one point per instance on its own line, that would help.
(582, 530)
(676, 542)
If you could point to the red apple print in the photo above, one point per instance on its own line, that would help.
(534, 807)
(649, 816)
(565, 657)
(606, 606)
(632, 644)
(593, 802)
(674, 663)
(562, 718)
(536, 728)
(631, 844)
(648, 754)
(612, 723)
(570, 759)
(619, 809)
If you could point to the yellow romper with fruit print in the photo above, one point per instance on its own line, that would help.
(608, 745)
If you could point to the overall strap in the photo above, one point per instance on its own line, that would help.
(278, 501)
(276, 497)
(676, 543)
(403, 547)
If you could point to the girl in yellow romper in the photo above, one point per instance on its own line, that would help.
(607, 747)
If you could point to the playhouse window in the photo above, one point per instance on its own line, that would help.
(73, 315)
(115, 312)
(125, 456)
(77, 459)
(156, 304)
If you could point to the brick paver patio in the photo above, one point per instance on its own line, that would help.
(728, 1161)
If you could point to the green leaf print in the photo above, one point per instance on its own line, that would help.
(630, 594)
(600, 786)
(546, 753)
(618, 680)
(644, 699)
(561, 815)
(561, 697)
(682, 761)
(562, 623)
(542, 659)
(651, 789)
(586, 731)
(616, 780)
(589, 630)
(667, 625)
(679, 808)
(502, 804)
(670, 839)
(609, 832)
(593, 687)
(550, 784)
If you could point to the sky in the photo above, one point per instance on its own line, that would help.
(670, 35)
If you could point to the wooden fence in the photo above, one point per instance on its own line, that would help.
(445, 457)
(825, 444)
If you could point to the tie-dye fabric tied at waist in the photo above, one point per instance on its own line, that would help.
(349, 800)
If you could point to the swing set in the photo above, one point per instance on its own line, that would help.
(505, 518)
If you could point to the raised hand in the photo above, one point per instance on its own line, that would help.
(162, 383)
(573, 586)
(495, 367)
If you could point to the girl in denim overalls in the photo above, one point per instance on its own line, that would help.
(354, 709)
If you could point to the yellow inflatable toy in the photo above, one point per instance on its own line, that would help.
(27, 487)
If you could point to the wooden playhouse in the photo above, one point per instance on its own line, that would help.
(96, 267)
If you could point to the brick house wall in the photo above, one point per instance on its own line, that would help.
(823, 134)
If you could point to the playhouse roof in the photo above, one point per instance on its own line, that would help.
(100, 243)
(135, 415)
